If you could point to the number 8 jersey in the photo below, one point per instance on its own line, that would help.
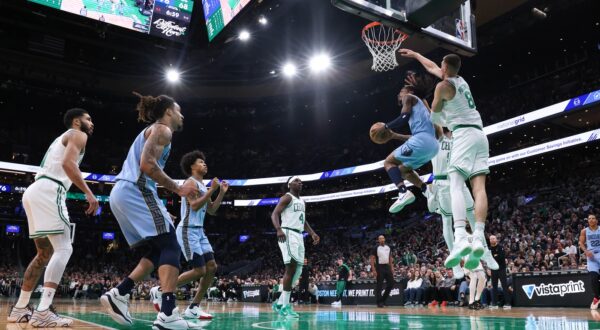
(461, 110)
(293, 215)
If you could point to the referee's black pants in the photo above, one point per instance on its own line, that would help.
(384, 273)
(500, 274)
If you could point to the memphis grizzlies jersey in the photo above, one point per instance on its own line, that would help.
(131, 167)
(193, 218)
(440, 161)
(592, 240)
(461, 109)
(293, 215)
(420, 120)
(51, 165)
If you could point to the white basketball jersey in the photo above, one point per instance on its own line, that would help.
(440, 161)
(293, 215)
(51, 165)
(461, 109)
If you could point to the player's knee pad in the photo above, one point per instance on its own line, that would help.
(57, 264)
(153, 254)
(197, 261)
(170, 250)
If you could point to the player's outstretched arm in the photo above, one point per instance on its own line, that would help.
(428, 64)
(160, 136)
(75, 143)
(198, 202)
(408, 101)
(213, 206)
(284, 201)
(316, 239)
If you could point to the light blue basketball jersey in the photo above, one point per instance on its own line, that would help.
(131, 167)
(420, 120)
(193, 218)
(592, 242)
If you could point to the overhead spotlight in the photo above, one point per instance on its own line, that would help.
(244, 35)
(320, 62)
(262, 20)
(172, 75)
(289, 69)
(272, 72)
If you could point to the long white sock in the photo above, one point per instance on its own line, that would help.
(285, 298)
(479, 230)
(23, 299)
(46, 301)
(447, 231)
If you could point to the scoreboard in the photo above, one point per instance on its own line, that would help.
(169, 19)
(218, 13)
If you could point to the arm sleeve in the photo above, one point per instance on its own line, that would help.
(399, 122)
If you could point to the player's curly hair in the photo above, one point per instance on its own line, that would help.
(151, 108)
(189, 159)
(423, 86)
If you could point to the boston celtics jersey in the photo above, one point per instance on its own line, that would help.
(461, 109)
(440, 161)
(51, 165)
(293, 215)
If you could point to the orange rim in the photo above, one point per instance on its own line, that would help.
(401, 36)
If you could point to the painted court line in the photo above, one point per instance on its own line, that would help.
(92, 323)
(133, 318)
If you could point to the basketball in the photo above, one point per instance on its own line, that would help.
(379, 135)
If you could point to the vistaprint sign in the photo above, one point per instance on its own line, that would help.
(559, 289)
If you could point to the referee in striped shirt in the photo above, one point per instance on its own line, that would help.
(382, 265)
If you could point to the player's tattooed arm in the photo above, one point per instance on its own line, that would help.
(158, 138)
(284, 201)
(316, 239)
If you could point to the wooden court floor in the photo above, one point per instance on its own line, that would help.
(88, 314)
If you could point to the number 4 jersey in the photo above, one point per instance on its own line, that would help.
(293, 215)
(461, 109)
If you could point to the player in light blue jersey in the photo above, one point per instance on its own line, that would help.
(143, 218)
(190, 232)
(589, 243)
(420, 147)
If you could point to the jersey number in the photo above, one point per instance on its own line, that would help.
(302, 218)
(470, 100)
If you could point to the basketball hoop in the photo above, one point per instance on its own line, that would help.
(383, 42)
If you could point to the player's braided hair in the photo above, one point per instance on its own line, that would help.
(423, 86)
(152, 108)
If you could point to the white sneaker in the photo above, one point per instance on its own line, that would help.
(489, 260)
(173, 322)
(461, 248)
(478, 248)
(403, 200)
(20, 315)
(48, 319)
(458, 272)
(117, 306)
(472, 262)
(507, 307)
(493, 307)
(156, 296)
(336, 303)
(196, 313)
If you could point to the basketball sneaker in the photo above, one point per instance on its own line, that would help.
(595, 303)
(461, 248)
(478, 248)
(196, 313)
(156, 296)
(472, 262)
(20, 315)
(458, 272)
(117, 306)
(173, 322)
(507, 307)
(336, 303)
(276, 306)
(48, 319)
(288, 311)
(489, 260)
(403, 200)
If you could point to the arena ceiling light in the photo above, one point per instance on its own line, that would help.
(262, 20)
(289, 69)
(319, 63)
(172, 75)
(244, 35)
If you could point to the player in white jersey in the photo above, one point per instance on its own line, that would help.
(469, 154)
(194, 243)
(439, 201)
(291, 211)
(48, 219)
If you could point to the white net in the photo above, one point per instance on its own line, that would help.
(383, 42)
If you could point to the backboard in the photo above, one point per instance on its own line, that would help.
(455, 31)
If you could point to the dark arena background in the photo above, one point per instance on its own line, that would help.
(274, 89)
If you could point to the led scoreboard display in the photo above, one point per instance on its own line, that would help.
(168, 19)
(218, 13)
